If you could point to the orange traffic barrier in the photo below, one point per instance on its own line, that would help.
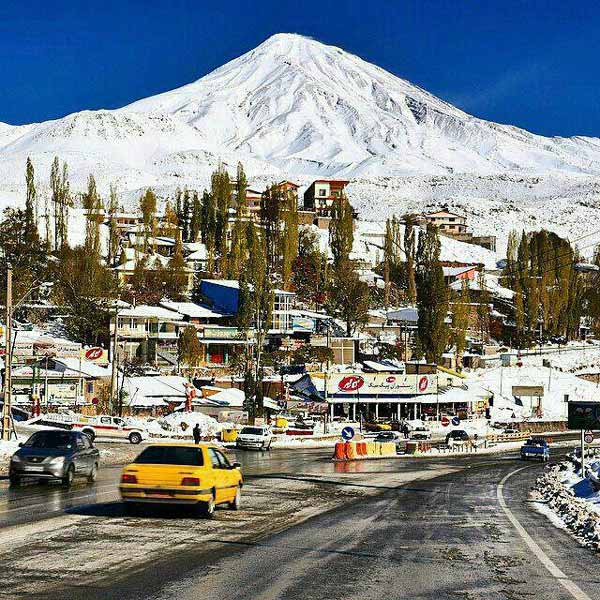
(340, 451)
(371, 449)
(361, 448)
(351, 452)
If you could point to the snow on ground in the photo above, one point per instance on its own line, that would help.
(572, 360)
(557, 385)
(7, 449)
(570, 501)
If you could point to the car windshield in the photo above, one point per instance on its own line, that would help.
(252, 431)
(171, 455)
(49, 439)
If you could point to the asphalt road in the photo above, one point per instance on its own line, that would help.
(448, 536)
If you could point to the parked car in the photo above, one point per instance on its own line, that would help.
(255, 436)
(55, 455)
(510, 430)
(377, 426)
(535, 448)
(391, 436)
(110, 427)
(457, 436)
(420, 433)
(198, 475)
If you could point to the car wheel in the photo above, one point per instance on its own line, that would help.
(135, 437)
(69, 476)
(90, 433)
(237, 501)
(93, 473)
(207, 509)
(14, 480)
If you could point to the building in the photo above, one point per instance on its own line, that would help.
(148, 333)
(447, 222)
(223, 296)
(322, 194)
(460, 273)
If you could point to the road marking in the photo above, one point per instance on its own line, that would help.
(569, 585)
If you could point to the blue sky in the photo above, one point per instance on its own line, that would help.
(533, 64)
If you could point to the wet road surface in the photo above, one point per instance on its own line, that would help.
(407, 528)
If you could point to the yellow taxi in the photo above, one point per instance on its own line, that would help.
(199, 475)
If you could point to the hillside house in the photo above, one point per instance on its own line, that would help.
(448, 222)
(321, 195)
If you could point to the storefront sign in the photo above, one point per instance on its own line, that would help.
(301, 324)
(380, 385)
(96, 355)
(527, 390)
(56, 348)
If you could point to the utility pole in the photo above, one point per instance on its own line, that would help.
(7, 420)
(113, 374)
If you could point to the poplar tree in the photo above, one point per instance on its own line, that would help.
(113, 232)
(289, 251)
(31, 236)
(176, 284)
(341, 231)
(460, 321)
(409, 251)
(239, 251)
(93, 206)
(209, 228)
(432, 297)
(221, 197)
(271, 208)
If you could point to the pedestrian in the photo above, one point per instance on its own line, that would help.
(405, 430)
(196, 433)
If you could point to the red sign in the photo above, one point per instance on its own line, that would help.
(94, 400)
(423, 383)
(391, 379)
(445, 421)
(93, 353)
(352, 383)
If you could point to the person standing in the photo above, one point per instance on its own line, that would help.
(196, 433)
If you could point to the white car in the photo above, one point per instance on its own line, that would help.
(106, 426)
(255, 436)
(420, 433)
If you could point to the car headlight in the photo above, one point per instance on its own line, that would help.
(15, 458)
(59, 460)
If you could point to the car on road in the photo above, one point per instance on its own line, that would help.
(198, 475)
(259, 437)
(420, 433)
(391, 436)
(53, 454)
(377, 426)
(107, 426)
(457, 436)
(535, 448)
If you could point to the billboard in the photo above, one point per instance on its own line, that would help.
(303, 324)
(380, 386)
(528, 390)
(584, 415)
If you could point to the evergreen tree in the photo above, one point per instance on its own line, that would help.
(432, 298)
(238, 253)
(460, 321)
(176, 287)
(148, 210)
(189, 349)
(209, 228)
(196, 218)
(185, 217)
(483, 309)
(221, 196)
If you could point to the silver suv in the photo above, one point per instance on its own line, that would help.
(55, 455)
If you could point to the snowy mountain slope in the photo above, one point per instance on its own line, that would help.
(296, 108)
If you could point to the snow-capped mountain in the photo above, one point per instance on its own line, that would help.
(295, 107)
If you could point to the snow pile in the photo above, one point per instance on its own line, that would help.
(572, 499)
(571, 359)
(181, 424)
(7, 449)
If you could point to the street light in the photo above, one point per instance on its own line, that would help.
(8, 426)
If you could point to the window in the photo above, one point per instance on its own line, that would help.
(224, 460)
(105, 420)
(214, 458)
(80, 443)
(49, 439)
(90, 387)
(322, 192)
(171, 455)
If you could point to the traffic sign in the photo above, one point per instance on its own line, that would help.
(455, 421)
(588, 437)
(445, 421)
(347, 433)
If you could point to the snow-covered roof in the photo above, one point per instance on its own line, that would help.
(144, 310)
(408, 313)
(235, 285)
(144, 390)
(456, 271)
(491, 284)
(191, 310)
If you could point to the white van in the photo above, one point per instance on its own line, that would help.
(255, 436)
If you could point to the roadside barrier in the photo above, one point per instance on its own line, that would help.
(363, 450)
